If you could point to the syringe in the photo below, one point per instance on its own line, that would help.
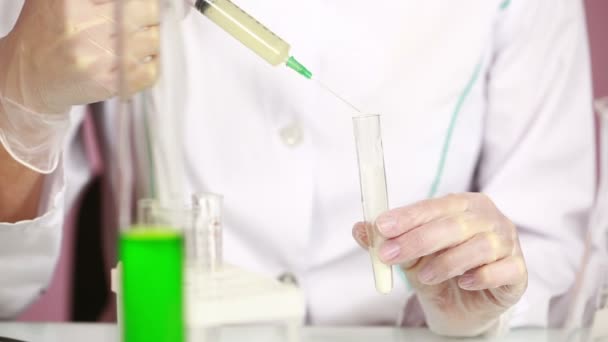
(251, 33)
(256, 37)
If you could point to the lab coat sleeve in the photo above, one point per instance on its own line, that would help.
(537, 160)
(29, 250)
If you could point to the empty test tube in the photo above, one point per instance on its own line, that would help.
(204, 245)
(374, 195)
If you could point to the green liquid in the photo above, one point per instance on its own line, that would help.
(152, 284)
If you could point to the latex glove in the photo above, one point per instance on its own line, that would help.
(461, 255)
(63, 53)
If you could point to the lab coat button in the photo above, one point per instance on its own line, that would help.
(291, 135)
(288, 278)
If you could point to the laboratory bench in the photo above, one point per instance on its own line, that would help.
(74, 332)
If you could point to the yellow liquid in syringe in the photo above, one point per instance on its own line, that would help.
(256, 37)
(246, 29)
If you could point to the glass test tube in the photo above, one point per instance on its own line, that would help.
(151, 247)
(204, 234)
(374, 195)
(152, 256)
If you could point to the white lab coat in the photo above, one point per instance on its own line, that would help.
(281, 150)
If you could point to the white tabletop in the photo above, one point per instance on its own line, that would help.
(37, 332)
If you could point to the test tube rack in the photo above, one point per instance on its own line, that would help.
(232, 296)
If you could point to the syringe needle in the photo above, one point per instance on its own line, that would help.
(336, 95)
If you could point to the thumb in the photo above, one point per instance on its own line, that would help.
(360, 235)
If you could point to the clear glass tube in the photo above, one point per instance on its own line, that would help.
(374, 195)
(158, 110)
(151, 247)
(152, 257)
(204, 233)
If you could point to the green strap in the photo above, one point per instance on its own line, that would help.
(448, 138)
(446, 145)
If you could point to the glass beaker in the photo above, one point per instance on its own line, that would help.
(374, 195)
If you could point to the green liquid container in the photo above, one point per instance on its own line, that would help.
(152, 284)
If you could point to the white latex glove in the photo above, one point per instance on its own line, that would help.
(462, 257)
(63, 53)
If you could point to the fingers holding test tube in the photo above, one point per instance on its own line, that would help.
(460, 246)
(457, 233)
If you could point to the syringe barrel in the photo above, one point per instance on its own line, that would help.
(245, 29)
(374, 195)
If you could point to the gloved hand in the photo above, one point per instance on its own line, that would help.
(63, 53)
(461, 255)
